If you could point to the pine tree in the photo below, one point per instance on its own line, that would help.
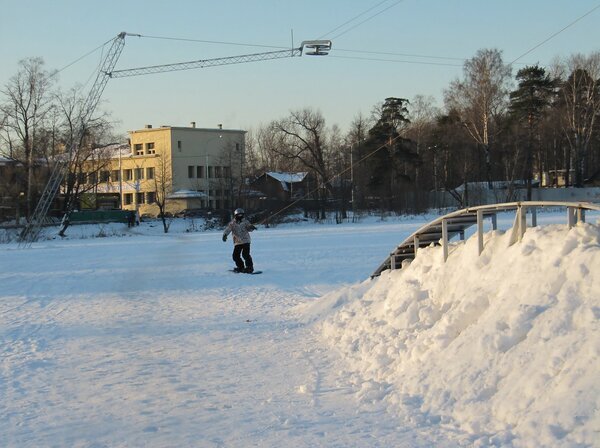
(530, 102)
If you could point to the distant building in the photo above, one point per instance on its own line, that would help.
(203, 168)
(282, 186)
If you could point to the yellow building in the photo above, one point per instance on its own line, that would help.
(200, 168)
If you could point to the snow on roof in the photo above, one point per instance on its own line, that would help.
(186, 194)
(287, 177)
(115, 150)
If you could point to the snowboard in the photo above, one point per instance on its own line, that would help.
(247, 273)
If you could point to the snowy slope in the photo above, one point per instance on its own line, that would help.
(505, 346)
(144, 339)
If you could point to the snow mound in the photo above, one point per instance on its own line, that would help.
(504, 346)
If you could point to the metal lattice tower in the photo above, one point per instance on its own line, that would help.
(39, 217)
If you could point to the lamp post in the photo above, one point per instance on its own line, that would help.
(206, 167)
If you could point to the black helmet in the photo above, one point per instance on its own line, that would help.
(238, 212)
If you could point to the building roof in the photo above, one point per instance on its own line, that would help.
(286, 179)
(187, 194)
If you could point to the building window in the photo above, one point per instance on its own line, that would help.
(217, 171)
(210, 172)
(138, 173)
(200, 172)
(128, 174)
(138, 149)
(149, 173)
(218, 193)
(150, 148)
(190, 172)
(104, 176)
(115, 175)
(81, 178)
(226, 172)
(92, 178)
(151, 197)
(237, 146)
(139, 198)
(128, 198)
(179, 145)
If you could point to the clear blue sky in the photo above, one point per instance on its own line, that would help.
(428, 39)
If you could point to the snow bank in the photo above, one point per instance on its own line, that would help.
(504, 346)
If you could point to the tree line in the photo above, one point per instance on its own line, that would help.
(494, 126)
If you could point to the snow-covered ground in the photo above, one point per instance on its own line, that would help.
(144, 339)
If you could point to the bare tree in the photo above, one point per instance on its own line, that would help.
(27, 101)
(580, 96)
(163, 184)
(86, 144)
(480, 97)
(359, 176)
(422, 114)
(302, 137)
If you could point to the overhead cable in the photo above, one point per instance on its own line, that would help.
(557, 33)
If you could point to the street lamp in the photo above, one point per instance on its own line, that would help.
(207, 182)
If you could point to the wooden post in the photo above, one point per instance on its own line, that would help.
(570, 217)
(480, 231)
(522, 213)
(445, 239)
(580, 215)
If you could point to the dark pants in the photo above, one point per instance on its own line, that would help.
(244, 250)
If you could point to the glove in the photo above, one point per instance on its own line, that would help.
(224, 237)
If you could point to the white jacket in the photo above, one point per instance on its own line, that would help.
(241, 231)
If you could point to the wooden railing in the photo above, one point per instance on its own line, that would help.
(441, 230)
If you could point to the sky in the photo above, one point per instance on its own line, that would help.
(399, 48)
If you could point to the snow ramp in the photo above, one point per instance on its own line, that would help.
(441, 230)
(500, 347)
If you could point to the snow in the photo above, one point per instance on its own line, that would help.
(140, 338)
(287, 178)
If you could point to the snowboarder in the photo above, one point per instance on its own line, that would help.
(241, 228)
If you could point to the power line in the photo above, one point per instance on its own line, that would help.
(352, 19)
(396, 60)
(366, 20)
(80, 58)
(330, 179)
(557, 33)
(400, 54)
(213, 42)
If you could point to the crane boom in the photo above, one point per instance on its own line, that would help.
(318, 47)
(61, 166)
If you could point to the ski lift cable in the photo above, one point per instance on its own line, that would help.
(387, 53)
(241, 44)
(557, 33)
(397, 61)
(330, 179)
(81, 57)
(366, 20)
(352, 19)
